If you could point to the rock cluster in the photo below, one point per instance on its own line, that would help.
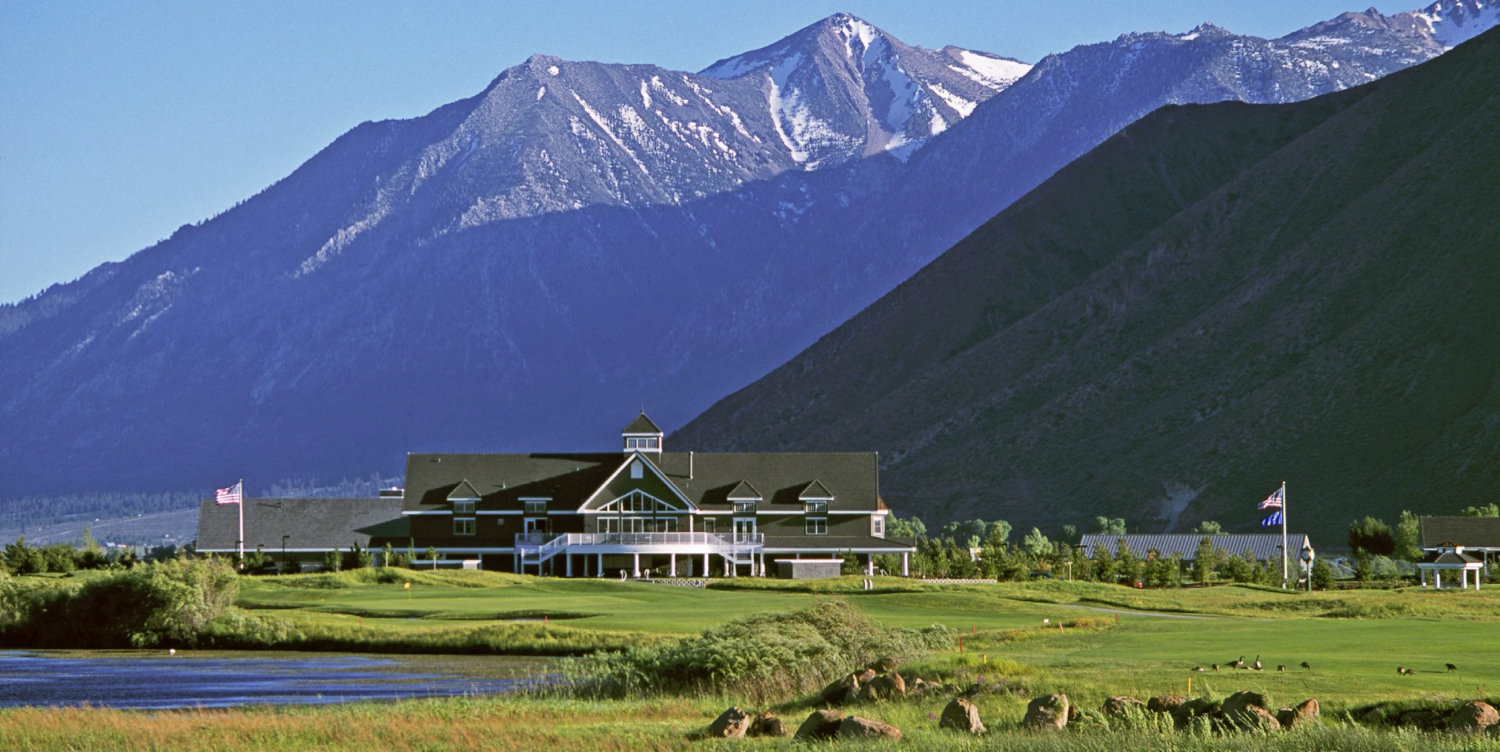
(735, 723)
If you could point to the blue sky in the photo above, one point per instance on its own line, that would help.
(120, 122)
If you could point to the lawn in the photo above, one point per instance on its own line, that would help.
(1125, 641)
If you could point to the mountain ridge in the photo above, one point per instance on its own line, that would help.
(558, 245)
(1299, 315)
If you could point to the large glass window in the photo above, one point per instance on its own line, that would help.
(463, 526)
(816, 526)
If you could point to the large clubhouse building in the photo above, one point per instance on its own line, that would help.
(636, 512)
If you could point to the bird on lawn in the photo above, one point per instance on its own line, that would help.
(1199, 668)
(1451, 667)
(1256, 665)
(1216, 667)
(1238, 662)
(1280, 667)
(1307, 665)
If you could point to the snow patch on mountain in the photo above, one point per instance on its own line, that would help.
(962, 106)
(996, 73)
(1453, 22)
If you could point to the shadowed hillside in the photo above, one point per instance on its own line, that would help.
(1215, 300)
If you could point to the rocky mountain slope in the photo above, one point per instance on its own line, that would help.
(1217, 299)
(520, 269)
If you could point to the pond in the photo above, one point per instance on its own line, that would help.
(156, 680)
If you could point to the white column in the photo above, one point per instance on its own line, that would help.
(601, 565)
(762, 565)
(1437, 578)
(637, 558)
(905, 564)
(705, 565)
(569, 557)
(869, 565)
(672, 565)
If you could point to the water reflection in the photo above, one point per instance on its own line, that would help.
(132, 680)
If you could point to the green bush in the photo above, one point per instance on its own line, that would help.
(168, 603)
(763, 656)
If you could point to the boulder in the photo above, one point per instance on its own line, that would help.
(1047, 713)
(1474, 717)
(961, 715)
(1307, 712)
(1121, 706)
(1166, 703)
(1240, 700)
(731, 724)
(1187, 711)
(884, 687)
(822, 724)
(855, 727)
(1252, 718)
(767, 724)
(885, 664)
(845, 689)
(865, 676)
(919, 686)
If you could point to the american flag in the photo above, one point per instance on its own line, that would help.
(1274, 519)
(1274, 500)
(231, 495)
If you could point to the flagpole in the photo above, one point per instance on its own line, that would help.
(1284, 552)
(242, 520)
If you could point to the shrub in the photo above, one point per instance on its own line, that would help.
(164, 603)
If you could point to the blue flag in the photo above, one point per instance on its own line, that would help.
(1274, 519)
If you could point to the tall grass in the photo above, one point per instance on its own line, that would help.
(764, 656)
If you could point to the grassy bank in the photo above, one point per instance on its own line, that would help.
(562, 725)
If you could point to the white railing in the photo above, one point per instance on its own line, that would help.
(542, 545)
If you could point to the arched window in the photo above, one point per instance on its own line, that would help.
(636, 471)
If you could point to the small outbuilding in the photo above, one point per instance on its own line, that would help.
(1452, 559)
(1479, 537)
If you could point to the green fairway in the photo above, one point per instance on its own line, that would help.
(1140, 641)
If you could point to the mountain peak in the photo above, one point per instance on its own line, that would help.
(828, 35)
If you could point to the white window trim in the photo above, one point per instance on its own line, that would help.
(473, 526)
(807, 525)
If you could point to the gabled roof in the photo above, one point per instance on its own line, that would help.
(464, 490)
(1450, 558)
(641, 424)
(1263, 546)
(815, 490)
(1469, 532)
(600, 494)
(743, 491)
(321, 524)
(706, 479)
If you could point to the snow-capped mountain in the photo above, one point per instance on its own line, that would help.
(519, 269)
(842, 88)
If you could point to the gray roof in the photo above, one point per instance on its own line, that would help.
(743, 490)
(641, 424)
(1469, 532)
(1449, 558)
(1263, 546)
(317, 524)
(851, 478)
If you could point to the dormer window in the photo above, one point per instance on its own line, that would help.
(644, 443)
(464, 506)
(819, 507)
(744, 507)
(536, 506)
